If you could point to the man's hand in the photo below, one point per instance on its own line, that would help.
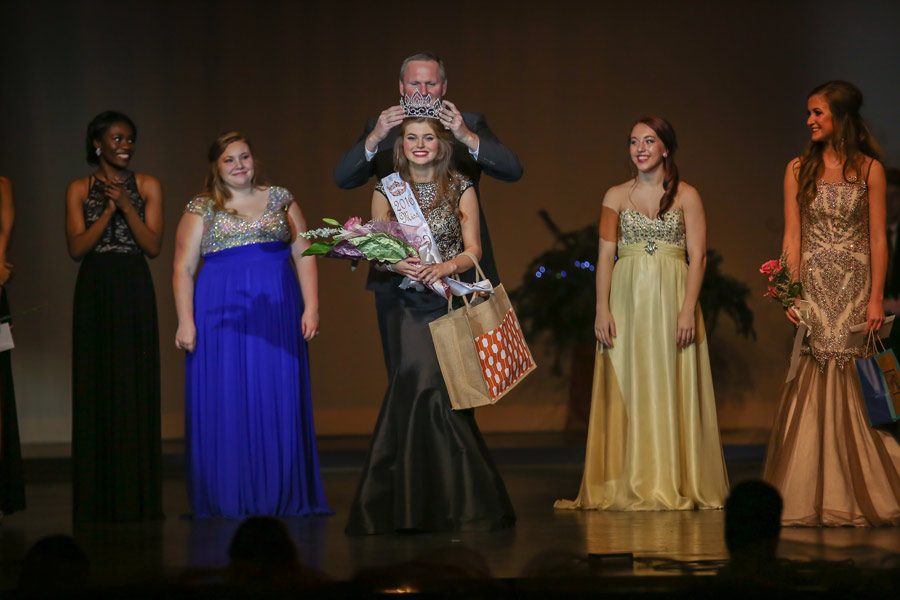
(452, 119)
(387, 120)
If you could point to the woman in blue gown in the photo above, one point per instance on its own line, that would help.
(244, 325)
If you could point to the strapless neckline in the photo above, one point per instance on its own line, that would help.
(637, 212)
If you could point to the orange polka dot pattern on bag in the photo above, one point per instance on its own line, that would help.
(503, 354)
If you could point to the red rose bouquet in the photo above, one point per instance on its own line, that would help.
(781, 286)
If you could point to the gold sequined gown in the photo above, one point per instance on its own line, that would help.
(830, 466)
(653, 439)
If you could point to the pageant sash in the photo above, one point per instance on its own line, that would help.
(408, 212)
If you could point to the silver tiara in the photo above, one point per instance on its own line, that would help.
(418, 105)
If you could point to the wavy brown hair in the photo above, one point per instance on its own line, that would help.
(444, 177)
(214, 187)
(851, 138)
(666, 134)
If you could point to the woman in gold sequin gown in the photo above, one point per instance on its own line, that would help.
(830, 466)
(653, 439)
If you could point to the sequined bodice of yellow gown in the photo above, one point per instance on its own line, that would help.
(653, 439)
(830, 466)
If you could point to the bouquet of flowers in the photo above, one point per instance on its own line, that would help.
(781, 288)
(385, 241)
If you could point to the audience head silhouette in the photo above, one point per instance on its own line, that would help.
(264, 542)
(54, 565)
(753, 518)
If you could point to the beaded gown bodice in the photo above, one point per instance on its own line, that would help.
(117, 236)
(223, 230)
(441, 216)
(637, 228)
(834, 266)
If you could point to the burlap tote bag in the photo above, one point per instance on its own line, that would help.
(481, 349)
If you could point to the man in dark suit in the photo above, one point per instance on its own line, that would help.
(476, 150)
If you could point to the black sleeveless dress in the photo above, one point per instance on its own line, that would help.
(116, 446)
(12, 483)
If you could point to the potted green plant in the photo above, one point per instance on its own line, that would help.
(555, 304)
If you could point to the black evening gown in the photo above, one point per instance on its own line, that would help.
(12, 482)
(116, 444)
(428, 468)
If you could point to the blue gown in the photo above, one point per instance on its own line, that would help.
(249, 412)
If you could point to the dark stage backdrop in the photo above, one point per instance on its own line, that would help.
(560, 82)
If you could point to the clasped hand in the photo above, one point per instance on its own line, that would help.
(118, 197)
(427, 274)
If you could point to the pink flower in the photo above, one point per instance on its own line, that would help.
(771, 292)
(353, 224)
(770, 267)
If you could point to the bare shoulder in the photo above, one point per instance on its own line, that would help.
(687, 196)
(78, 186)
(145, 181)
(873, 169)
(616, 196)
(793, 167)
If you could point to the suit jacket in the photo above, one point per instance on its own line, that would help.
(494, 159)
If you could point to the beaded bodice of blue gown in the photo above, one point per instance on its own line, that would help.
(250, 429)
(653, 439)
(830, 466)
(428, 468)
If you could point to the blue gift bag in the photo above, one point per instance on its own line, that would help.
(876, 392)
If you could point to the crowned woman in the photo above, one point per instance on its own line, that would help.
(428, 468)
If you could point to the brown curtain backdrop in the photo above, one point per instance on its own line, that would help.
(560, 83)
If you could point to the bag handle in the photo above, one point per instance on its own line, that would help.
(478, 271)
(869, 344)
(879, 342)
(873, 341)
(472, 257)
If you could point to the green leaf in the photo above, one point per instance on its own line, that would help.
(382, 246)
(331, 222)
(318, 248)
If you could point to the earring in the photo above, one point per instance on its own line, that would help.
(665, 154)
(97, 151)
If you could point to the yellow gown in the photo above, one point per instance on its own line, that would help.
(830, 466)
(653, 439)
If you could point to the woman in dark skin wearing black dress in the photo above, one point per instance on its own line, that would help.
(113, 221)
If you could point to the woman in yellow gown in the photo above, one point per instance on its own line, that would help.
(830, 466)
(653, 438)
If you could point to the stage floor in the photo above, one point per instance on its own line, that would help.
(537, 469)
